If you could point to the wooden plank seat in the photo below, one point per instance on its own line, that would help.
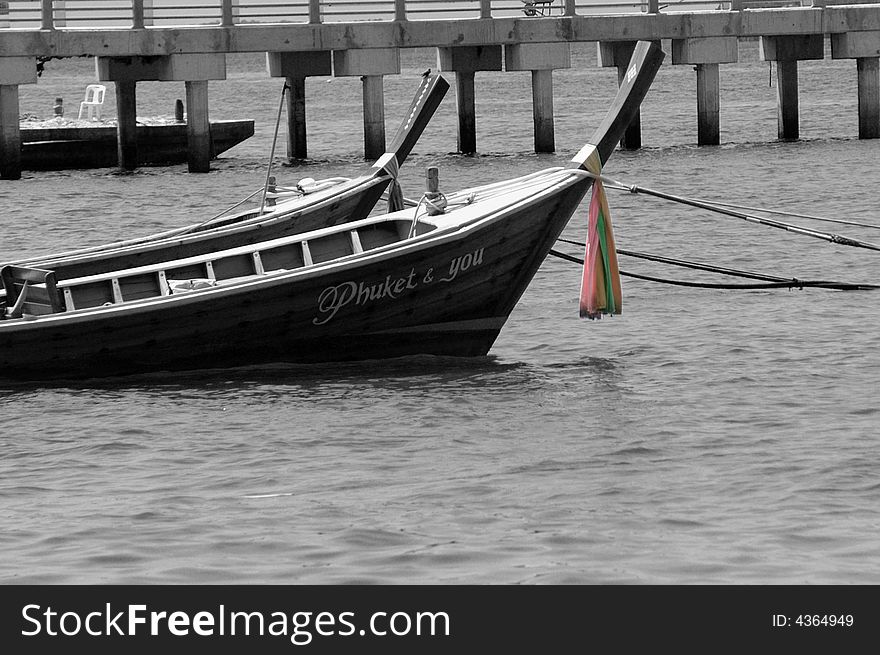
(29, 291)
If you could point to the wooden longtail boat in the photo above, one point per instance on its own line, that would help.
(307, 207)
(53, 148)
(439, 282)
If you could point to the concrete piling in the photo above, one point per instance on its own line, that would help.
(786, 51)
(374, 116)
(787, 101)
(126, 124)
(10, 133)
(541, 59)
(708, 104)
(193, 69)
(198, 127)
(864, 47)
(705, 54)
(542, 110)
(13, 71)
(297, 137)
(465, 61)
(296, 67)
(868, 71)
(370, 66)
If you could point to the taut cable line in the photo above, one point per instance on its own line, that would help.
(768, 281)
(720, 209)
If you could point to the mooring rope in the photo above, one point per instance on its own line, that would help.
(770, 281)
(719, 208)
(779, 212)
(689, 264)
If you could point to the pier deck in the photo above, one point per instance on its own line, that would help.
(138, 40)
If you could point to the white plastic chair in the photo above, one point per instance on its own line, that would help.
(93, 101)
(538, 7)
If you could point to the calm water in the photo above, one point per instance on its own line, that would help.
(703, 436)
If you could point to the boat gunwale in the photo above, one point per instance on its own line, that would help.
(332, 193)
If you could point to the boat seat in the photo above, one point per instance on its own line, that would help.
(93, 102)
(29, 291)
(186, 286)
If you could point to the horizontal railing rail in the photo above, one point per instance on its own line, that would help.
(101, 14)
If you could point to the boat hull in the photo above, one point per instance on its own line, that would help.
(64, 148)
(445, 296)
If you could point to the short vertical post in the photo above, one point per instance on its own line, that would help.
(228, 12)
(570, 8)
(432, 179)
(653, 6)
(126, 124)
(10, 133)
(467, 120)
(271, 190)
(485, 8)
(708, 105)
(435, 203)
(399, 9)
(198, 128)
(787, 99)
(868, 69)
(542, 110)
(47, 15)
(137, 14)
(314, 11)
(296, 118)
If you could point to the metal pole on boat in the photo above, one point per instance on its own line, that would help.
(272, 154)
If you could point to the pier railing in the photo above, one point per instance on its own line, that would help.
(126, 14)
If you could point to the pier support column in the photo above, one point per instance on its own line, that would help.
(370, 65)
(296, 67)
(541, 59)
(786, 51)
(193, 69)
(868, 69)
(708, 104)
(198, 127)
(705, 54)
(787, 100)
(126, 125)
(618, 54)
(465, 61)
(10, 133)
(374, 116)
(13, 71)
(864, 47)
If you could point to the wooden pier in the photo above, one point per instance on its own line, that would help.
(164, 40)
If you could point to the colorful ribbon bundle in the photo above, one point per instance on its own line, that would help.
(600, 284)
